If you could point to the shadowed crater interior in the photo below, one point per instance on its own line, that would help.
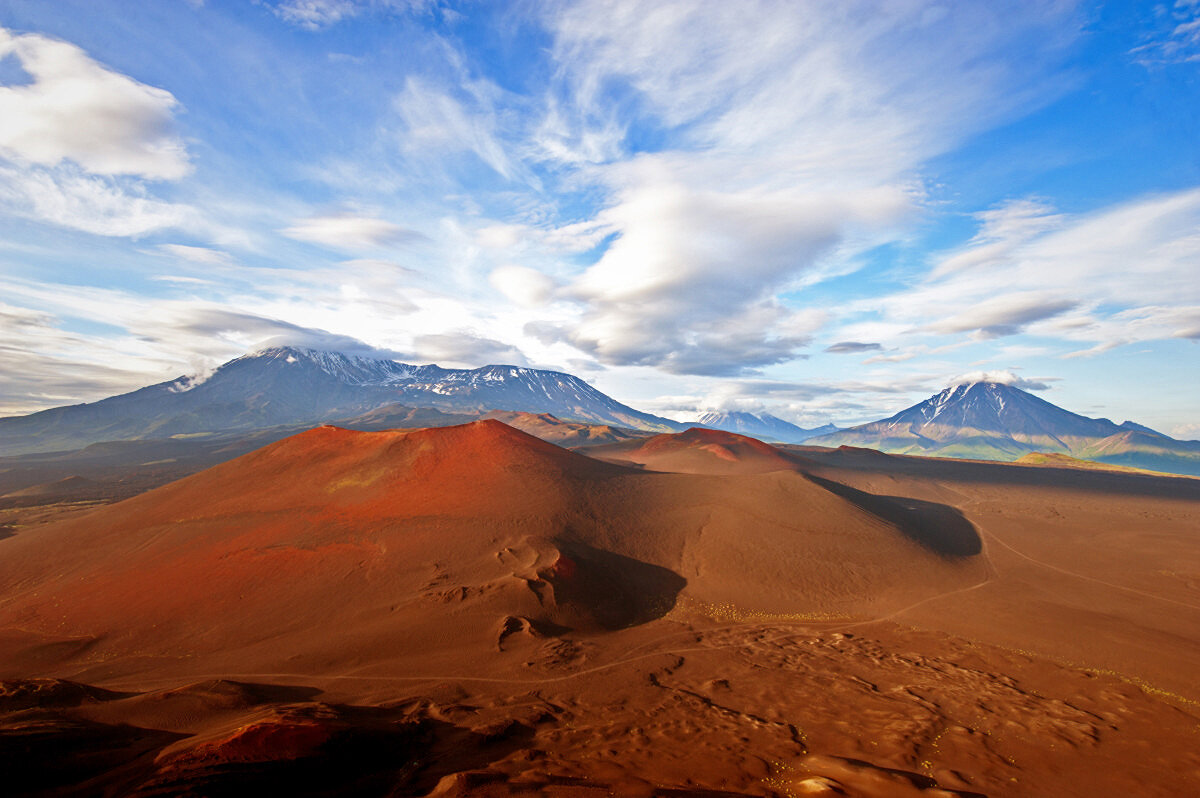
(615, 591)
(937, 527)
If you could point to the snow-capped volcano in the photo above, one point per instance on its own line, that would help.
(994, 421)
(292, 385)
(764, 426)
(996, 407)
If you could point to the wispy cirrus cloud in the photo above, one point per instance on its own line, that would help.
(1174, 37)
(68, 197)
(1114, 276)
(317, 15)
(797, 139)
(206, 256)
(436, 122)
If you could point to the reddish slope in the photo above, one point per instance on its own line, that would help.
(699, 451)
(564, 433)
(340, 549)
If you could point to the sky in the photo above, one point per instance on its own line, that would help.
(826, 211)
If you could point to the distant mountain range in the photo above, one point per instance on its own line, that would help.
(764, 426)
(993, 421)
(287, 386)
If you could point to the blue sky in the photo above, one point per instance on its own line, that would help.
(824, 210)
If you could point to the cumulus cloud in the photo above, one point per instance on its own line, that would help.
(1186, 432)
(77, 110)
(852, 348)
(349, 231)
(78, 142)
(728, 345)
(689, 283)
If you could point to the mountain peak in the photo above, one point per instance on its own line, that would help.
(997, 421)
(303, 386)
(763, 425)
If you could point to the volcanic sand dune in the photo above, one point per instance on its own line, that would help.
(472, 611)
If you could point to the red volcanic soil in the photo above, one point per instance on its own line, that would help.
(699, 451)
(473, 611)
(467, 526)
(564, 433)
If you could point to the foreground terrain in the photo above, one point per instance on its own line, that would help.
(473, 611)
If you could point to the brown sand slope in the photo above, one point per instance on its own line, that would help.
(565, 433)
(472, 611)
(699, 451)
(1095, 568)
(359, 547)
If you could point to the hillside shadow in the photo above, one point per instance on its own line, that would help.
(613, 590)
(979, 472)
(366, 751)
(938, 527)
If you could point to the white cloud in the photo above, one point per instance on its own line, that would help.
(349, 231)
(436, 123)
(1186, 432)
(316, 14)
(319, 14)
(1004, 377)
(1120, 274)
(1009, 314)
(467, 349)
(500, 236)
(78, 140)
(1002, 231)
(205, 256)
(798, 137)
(1177, 37)
(95, 204)
(527, 287)
(80, 111)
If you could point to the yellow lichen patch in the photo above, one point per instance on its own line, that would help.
(731, 613)
(360, 479)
